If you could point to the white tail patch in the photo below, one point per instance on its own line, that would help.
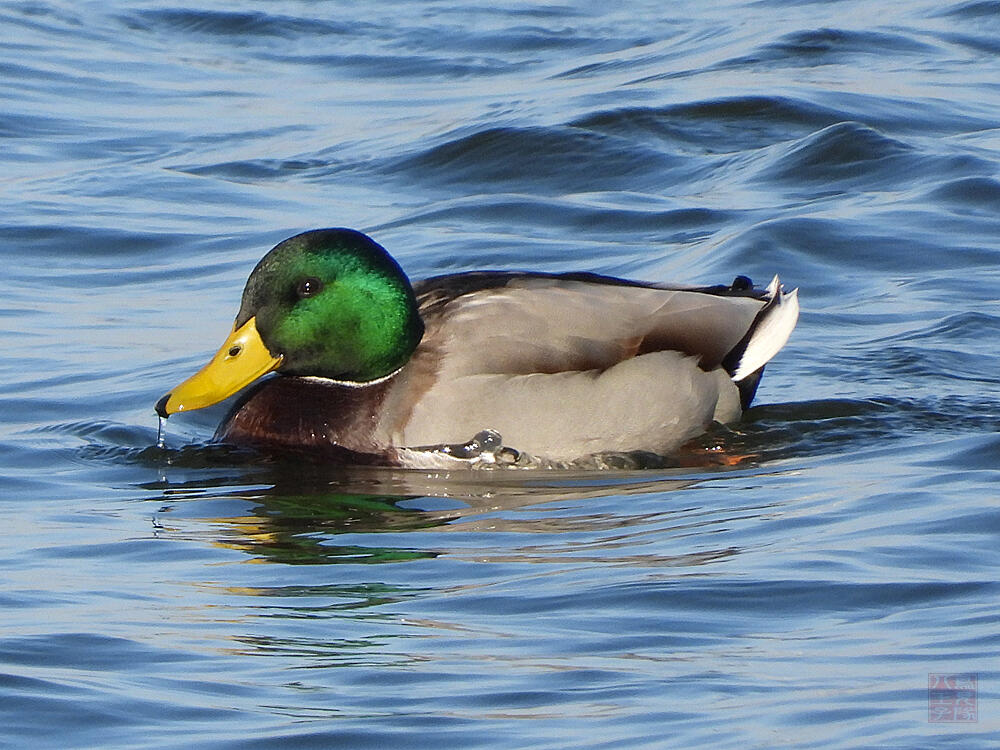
(771, 331)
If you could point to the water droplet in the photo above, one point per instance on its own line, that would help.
(161, 433)
(485, 448)
(488, 441)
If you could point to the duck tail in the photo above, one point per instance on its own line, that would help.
(765, 338)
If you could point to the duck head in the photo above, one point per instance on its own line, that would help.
(330, 303)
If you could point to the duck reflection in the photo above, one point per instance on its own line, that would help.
(307, 515)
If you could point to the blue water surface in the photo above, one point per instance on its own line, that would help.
(198, 596)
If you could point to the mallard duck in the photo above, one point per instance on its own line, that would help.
(560, 366)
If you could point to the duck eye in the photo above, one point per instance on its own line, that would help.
(309, 287)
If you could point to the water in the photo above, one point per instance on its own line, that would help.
(189, 594)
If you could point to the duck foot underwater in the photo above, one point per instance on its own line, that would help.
(372, 369)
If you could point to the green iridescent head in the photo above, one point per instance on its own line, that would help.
(333, 303)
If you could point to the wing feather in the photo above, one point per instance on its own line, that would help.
(548, 325)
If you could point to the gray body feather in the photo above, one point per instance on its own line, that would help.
(563, 368)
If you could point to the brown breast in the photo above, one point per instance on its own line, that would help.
(309, 414)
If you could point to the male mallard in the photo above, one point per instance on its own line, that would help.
(562, 366)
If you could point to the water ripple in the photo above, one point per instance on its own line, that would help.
(562, 158)
(824, 46)
(717, 125)
(234, 26)
(838, 156)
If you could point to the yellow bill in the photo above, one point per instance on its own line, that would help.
(241, 359)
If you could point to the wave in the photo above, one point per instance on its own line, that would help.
(829, 426)
(825, 45)
(722, 125)
(973, 11)
(847, 152)
(975, 192)
(234, 24)
(563, 213)
(560, 157)
(972, 327)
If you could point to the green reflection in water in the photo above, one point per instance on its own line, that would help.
(297, 529)
(308, 517)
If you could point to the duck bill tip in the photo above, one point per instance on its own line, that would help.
(161, 406)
